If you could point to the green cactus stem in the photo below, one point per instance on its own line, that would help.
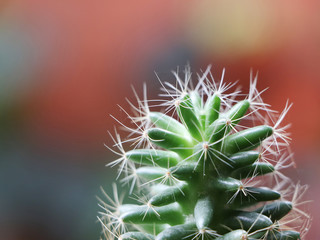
(204, 164)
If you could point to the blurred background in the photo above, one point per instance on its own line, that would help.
(65, 65)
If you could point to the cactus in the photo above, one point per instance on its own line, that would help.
(205, 163)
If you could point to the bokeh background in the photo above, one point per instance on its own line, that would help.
(65, 65)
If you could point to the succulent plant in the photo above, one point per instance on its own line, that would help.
(205, 163)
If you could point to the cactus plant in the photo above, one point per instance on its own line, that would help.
(205, 163)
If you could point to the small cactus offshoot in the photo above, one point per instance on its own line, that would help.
(204, 162)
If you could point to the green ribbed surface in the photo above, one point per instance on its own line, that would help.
(206, 167)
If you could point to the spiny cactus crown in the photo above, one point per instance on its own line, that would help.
(207, 167)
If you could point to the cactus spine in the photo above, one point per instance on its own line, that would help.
(207, 167)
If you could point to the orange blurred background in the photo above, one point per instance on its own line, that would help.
(65, 65)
